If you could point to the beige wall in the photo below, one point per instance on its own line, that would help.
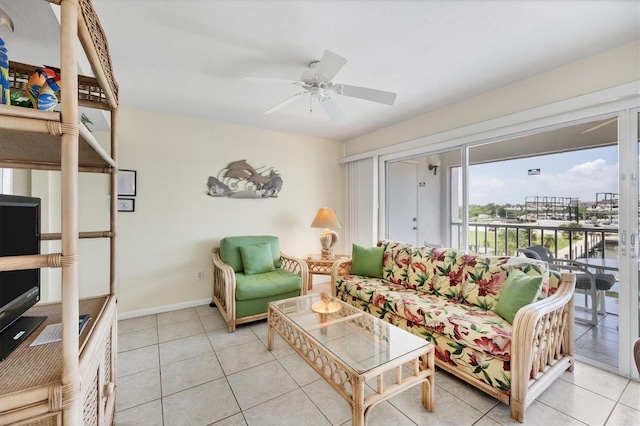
(168, 239)
(598, 72)
(93, 269)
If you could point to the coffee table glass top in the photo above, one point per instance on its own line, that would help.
(358, 339)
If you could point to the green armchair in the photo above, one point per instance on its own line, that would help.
(249, 272)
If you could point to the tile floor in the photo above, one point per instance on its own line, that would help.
(184, 368)
(598, 342)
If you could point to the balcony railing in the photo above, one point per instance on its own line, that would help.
(564, 242)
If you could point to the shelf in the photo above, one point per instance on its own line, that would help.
(71, 381)
(43, 361)
(90, 93)
(30, 137)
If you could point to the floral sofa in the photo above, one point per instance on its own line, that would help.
(449, 297)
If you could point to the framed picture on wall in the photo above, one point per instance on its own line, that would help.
(127, 183)
(126, 205)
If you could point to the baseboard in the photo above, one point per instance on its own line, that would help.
(162, 309)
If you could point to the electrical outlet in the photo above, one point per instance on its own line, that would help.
(200, 275)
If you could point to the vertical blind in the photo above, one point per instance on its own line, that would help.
(6, 180)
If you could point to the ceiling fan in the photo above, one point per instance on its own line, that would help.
(317, 82)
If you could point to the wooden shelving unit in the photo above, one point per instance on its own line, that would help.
(73, 381)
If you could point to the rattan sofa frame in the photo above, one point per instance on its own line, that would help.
(547, 324)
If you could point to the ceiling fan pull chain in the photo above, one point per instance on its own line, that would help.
(310, 105)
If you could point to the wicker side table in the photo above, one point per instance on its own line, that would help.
(321, 266)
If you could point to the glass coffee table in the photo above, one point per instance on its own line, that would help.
(348, 347)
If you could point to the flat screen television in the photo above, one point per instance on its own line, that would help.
(19, 290)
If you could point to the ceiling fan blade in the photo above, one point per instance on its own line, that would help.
(373, 95)
(285, 102)
(329, 65)
(333, 111)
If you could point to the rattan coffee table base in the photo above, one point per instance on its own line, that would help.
(349, 383)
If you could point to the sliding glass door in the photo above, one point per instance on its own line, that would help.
(571, 187)
(629, 325)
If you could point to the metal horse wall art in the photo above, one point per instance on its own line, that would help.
(241, 180)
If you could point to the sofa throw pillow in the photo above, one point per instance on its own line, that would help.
(257, 258)
(517, 291)
(366, 261)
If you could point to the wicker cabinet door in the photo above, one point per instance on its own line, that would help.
(99, 402)
(90, 404)
(51, 419)
(108, 396)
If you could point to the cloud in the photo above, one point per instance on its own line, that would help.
(586, 179)
(583, 181)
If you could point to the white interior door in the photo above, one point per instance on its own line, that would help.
(402, 202)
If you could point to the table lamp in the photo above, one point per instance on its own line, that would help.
(326, 218)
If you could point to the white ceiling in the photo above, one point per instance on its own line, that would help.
(189, 57)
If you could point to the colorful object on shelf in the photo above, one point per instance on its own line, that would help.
(42, 88)
(4, 75)
(5, 95)
(47, 99)
(34, 84)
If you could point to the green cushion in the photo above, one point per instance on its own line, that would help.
(245, 308)
(366, 262)
(517, 291)
(267, 284)
(256, 259)
(230, 249)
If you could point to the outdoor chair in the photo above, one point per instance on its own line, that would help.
(594, 285)
(249, 272)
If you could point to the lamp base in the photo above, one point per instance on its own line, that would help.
(328, 239)
(328, 254)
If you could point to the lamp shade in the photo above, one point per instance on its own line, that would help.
(326, 218)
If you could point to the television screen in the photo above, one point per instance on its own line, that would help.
(19, 235)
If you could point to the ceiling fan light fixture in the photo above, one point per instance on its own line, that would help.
(317, 80)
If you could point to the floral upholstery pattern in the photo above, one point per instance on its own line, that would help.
(554, 282)
(419, 274)
(487, 274)
(447, 297)
(395, 261)
(479, 328)
(440, 272)
(490, 365)
(364, 287)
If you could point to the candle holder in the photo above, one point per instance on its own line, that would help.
(324, 307)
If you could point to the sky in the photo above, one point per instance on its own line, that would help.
(570, 174)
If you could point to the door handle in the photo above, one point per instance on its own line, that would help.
(623, 243)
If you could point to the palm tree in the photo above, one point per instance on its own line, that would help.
(549, 241)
